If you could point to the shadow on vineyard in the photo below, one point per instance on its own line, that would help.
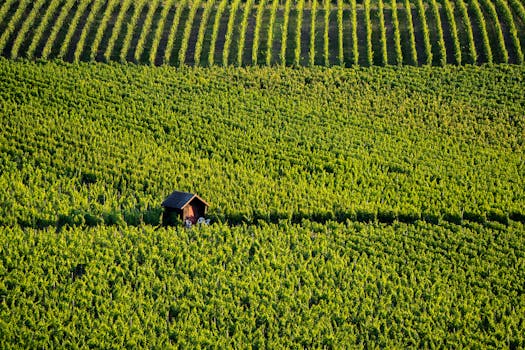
(493, 219)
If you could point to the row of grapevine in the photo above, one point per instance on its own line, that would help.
(215, 31)
(244, 26)
(483, 28)
(284, 31)
(507, 15)
(441, 41)
(186, 33)
(97, 4)
(28, 23)
(145, 30)
(116, 29)
(313, 32)
(202, 29)
(298, 29)
(118, 20)
(368, 31)
(173, 31)
(382, 32)
(130, 29)
(161, 26)
(273, 14)
(397, 34)
(326, 52)
(449, 12)
(412, 38)
(229, 32)
(502, 50)
(355, 46)
(103, 24)
(470, 35)
(426, 34)
(340, 32)
(10, 28)
(257, 31)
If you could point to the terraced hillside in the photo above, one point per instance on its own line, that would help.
(266, 32)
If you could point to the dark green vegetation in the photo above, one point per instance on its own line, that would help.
(376, 207)
(235, 32)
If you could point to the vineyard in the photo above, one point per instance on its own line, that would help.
(368, 207)
(264, 32)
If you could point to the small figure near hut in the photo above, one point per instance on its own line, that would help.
(189, 207)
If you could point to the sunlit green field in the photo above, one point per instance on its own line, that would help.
(369, 207)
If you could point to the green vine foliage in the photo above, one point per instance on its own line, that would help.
(313, 32)
(28, 22)
(12, 23)
(124, 136)
(355, 45)
(397, 34)
(101, 28)
(374, 205)
(462, 7)
(368, 31)
(449, 11)
(68, 42)
(245, 33)
(116, 28)
(261, 7)
(411, 34)
(231, 286)
(420, 6)
(480, 19)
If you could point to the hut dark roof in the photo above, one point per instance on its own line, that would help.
(178, 200)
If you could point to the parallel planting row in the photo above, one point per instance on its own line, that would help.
(271, 32)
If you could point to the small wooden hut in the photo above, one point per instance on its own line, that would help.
(187, 206)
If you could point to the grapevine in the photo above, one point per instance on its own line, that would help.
(187, 30)
(449, 11)
(483, 27)
(257, 32)
(410, 25)
(269, 50)
(284, 31)
(146, 28)
(173, 31)
(110, 6)
(229, 31)
(116, 29)
(468, 25)
(97, 4)
(441, 41)
(397, 34)
(215, 32)
(161, 26)
(244, 25)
